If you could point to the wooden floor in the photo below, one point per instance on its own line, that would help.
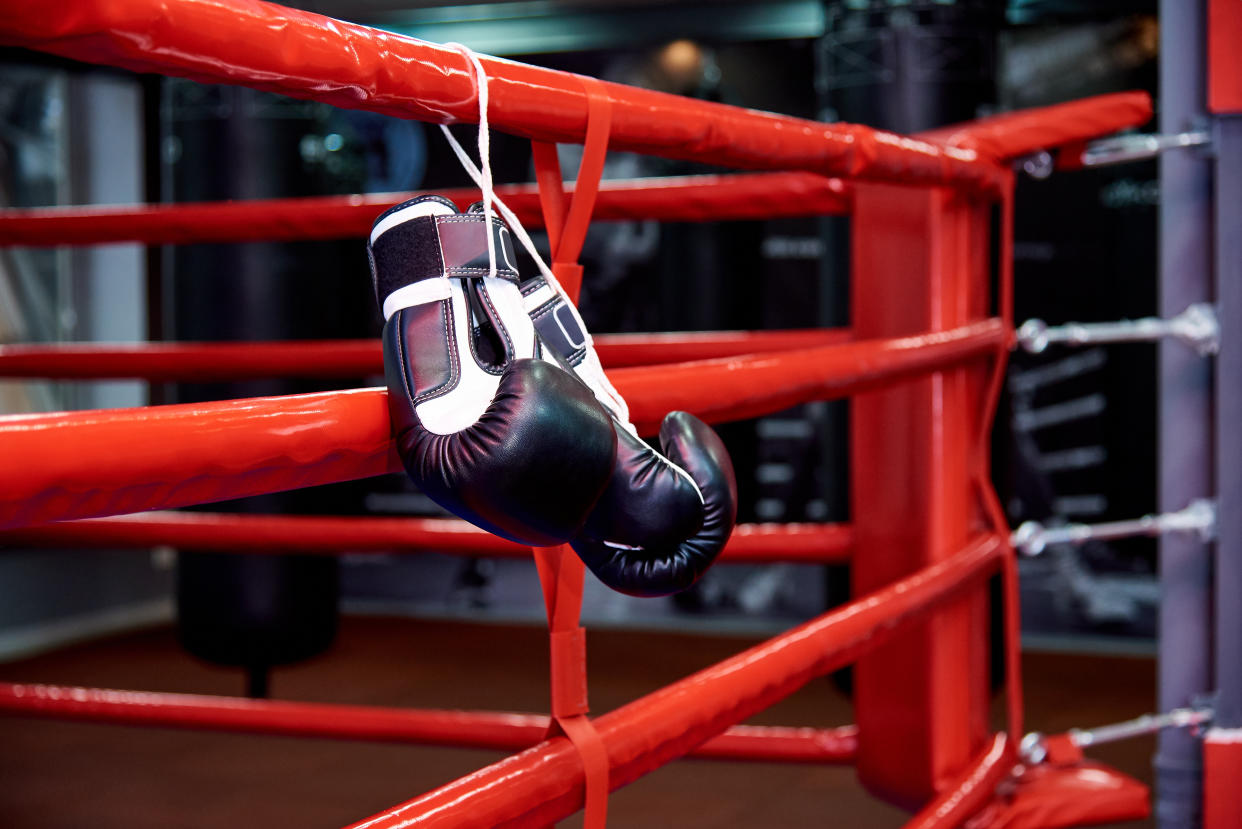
(56, 774)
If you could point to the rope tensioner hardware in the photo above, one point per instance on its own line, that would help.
(1121, 149)
(1036, 748)
(1118, 149)
(1032, 538)
(1197, 326)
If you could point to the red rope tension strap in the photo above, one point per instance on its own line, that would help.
(567, 228)
(561, 572)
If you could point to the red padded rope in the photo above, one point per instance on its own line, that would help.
(207, 362)
(81, 464)
(498, 730)
(971, 790)
(668, 198)
(543, 784)
(561, 572)
(305, 55)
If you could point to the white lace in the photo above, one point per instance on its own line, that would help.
(602, 386)
(483, 177)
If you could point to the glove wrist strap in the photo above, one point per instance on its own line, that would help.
(434, 247)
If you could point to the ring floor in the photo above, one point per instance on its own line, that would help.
(58, 774)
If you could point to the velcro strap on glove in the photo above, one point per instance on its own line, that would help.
(429, 247)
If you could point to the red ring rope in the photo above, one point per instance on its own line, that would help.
(332, 535)
(209, 361)
(544, 784)
(191, 454)
(306, 55)
(675, 198)
(467, 729)
(84, 464)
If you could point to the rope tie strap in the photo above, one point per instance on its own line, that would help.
(561, 575)
(561, 572)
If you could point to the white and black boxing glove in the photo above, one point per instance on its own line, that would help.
(513, 444)
(664, 518)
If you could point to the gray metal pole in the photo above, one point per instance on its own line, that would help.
(1186, 452)
(1228, 149)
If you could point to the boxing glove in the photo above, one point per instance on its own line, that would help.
(514, 444)
(663, 518)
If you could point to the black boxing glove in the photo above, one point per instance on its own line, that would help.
(664, 518)
(513, 444)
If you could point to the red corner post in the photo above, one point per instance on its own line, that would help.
(920, 264)
(1222, 769)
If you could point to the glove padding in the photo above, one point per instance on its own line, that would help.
(513, 444)
(662, 521)
(649, 552)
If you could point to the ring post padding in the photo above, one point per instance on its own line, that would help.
(1222, 765)
(913, 486)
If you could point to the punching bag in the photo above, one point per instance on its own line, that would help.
(239, 609)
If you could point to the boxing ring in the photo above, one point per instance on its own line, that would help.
(931, 225)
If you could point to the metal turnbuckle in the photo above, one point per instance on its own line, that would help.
(1119, 149)
(1197, 326)
(1032, 538)
(1034, 748)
